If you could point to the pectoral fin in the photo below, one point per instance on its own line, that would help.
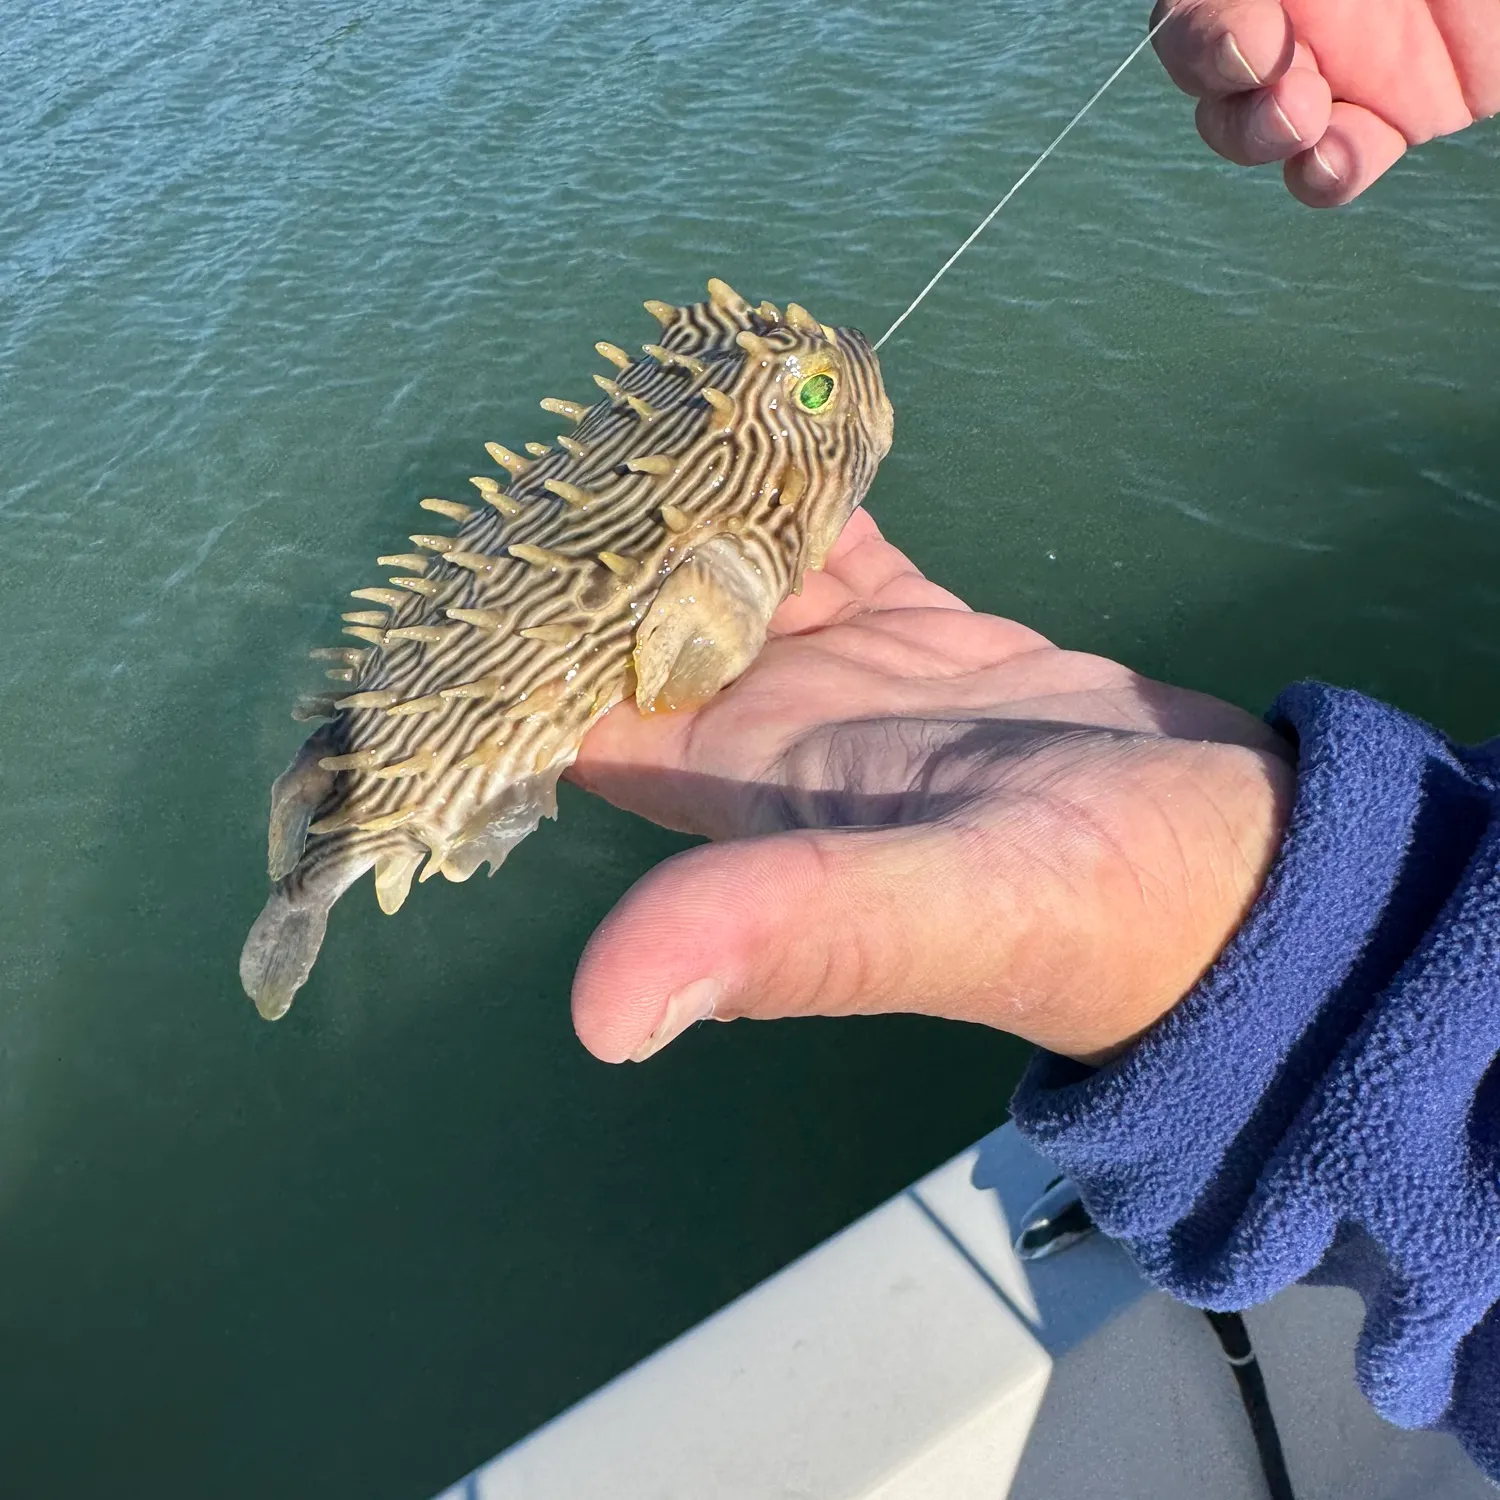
(705, 627)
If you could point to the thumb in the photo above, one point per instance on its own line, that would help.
(810, 922)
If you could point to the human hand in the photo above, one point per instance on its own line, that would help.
(925, 809)
(1338, 89)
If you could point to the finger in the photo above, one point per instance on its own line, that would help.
(625, 737)
(863, 571)
(1267, 124)
(1224, 46)
(924, 648)
(883, 584)
(860, 527)
(882, 576)
(825, 597)
(1472, 37)
(803, 923)
(1356, 149)
(885, 578)
(823, 600)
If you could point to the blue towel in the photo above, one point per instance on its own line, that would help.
(1325, 1105)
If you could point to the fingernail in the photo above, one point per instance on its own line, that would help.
(1320, 172)
(1232, 65)
(692, 1003)
(1274, 127)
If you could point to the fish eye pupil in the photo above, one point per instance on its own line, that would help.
(815, 392)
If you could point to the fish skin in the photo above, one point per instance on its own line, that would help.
(595, 579)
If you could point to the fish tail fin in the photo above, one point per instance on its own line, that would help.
(283, 944)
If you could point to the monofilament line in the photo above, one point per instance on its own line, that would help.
(1020, 182)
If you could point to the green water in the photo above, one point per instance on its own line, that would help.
(270, 273)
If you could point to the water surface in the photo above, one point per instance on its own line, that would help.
(267, 275)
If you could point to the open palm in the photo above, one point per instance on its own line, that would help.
(923, 808)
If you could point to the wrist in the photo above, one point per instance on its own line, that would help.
(1162, 892)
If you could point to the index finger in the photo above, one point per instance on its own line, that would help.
(1215, 47)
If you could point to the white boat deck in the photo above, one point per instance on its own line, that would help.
(914, 1357)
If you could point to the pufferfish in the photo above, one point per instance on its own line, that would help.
(641, 556)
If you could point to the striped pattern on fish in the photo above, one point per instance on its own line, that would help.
(642, 555)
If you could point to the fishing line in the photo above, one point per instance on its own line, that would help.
(1021, 180)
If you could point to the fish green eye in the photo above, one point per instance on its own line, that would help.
(815, 392)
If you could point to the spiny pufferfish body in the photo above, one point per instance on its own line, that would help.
(644, 555)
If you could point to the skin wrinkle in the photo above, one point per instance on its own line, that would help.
(847, 957)
(1423, 44)
(1074, 811)
(1222, 885)
(1247, 866)
(1184, 861)
(898, 658)
(926, 773)
(1192, 892)
(829, 956)
(909, 657)
(691, 749)
(1160, 892)
(988, 982)
(1153, 797)
(895, 659)
(968, 790)
(858, 968)
(923, 650)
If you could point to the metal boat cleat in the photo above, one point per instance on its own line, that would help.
(1055, 1222)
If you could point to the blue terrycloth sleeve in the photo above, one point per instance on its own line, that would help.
(1325, 1104)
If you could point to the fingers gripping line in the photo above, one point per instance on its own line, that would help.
(1336, 90)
